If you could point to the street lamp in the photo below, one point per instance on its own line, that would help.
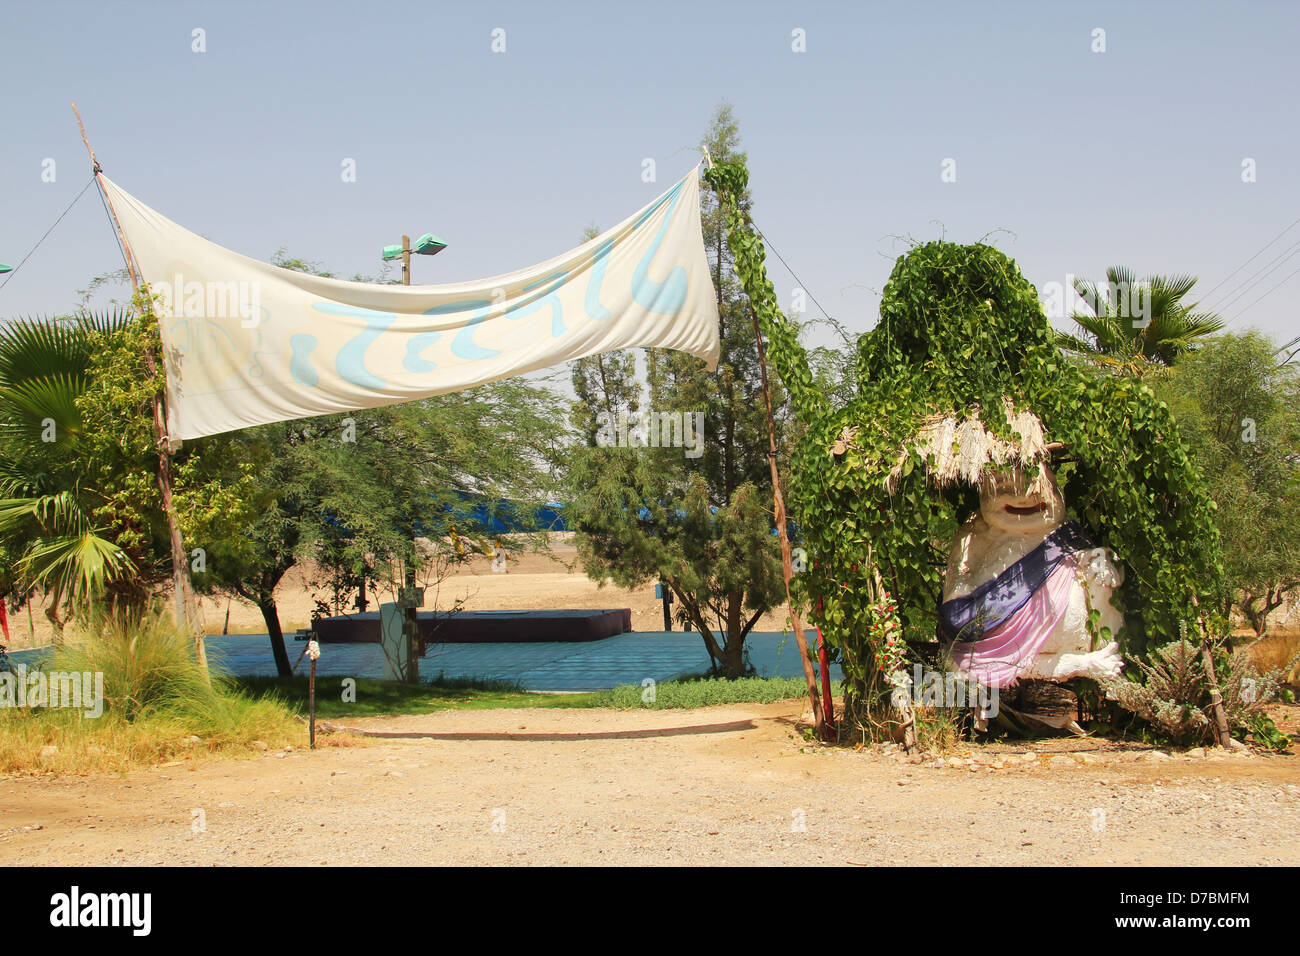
(410, 598)
(427, 245)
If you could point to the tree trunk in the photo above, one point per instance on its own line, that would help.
(52, 613)
(271, 615)
(733, 657)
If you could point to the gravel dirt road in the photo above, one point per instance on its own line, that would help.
(720, 785)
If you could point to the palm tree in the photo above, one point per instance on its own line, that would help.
(47, 499)
(1133, 323)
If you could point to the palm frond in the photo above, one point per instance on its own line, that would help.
(74, 565)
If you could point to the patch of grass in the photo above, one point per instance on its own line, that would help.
(156, 707)
(700, 691)
(377, 698)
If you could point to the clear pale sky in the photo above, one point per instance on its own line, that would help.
(1132, 156)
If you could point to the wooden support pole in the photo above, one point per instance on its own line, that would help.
(823, 721)
(186, 606)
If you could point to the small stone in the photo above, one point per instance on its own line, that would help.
(48, 751)
(1196, 752)
(259, 745)
(1061, 762)
(1158, 755)
(938, 763)
(1029, 757)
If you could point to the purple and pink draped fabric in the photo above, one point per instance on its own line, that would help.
(1002, 654)
(1005, 622)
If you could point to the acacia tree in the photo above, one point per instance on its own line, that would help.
(370, 496)
(1239, 412)
(702, 525)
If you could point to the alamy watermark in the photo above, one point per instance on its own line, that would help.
(942, 689)
(653, 430)
(81, 690)
(210, 300)
(1126, 300)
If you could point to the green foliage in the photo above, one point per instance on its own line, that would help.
(1239, 413)
(55, 515)
(960, 328)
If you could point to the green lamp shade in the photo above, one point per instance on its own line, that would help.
(4, 268)
(428, 245)
(392, 252)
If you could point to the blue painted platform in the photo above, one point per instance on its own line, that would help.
(587, 666)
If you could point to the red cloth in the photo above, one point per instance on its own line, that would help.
(4, 619)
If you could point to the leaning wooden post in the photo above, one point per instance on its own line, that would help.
(186, 606)
(820, 718)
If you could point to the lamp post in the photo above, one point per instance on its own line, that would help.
(427, 245)
(411, 598)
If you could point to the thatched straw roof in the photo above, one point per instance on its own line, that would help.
(962, 449)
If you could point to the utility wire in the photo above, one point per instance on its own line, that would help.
(1289, 277)
(1251, 259)
(767, 242)
(47, 233)
(1264, 271)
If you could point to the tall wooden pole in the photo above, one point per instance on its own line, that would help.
(411, 611)
(187, 611)
(820, 718)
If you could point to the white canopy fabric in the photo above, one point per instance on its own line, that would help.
(248, 343)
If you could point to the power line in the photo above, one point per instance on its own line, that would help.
(47, 233)
(769, 245)
(1252, 258)
(1271, 291)
(1276, 263)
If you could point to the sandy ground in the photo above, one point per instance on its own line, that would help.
(721, 785)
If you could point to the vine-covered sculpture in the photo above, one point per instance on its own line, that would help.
(962, 336)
